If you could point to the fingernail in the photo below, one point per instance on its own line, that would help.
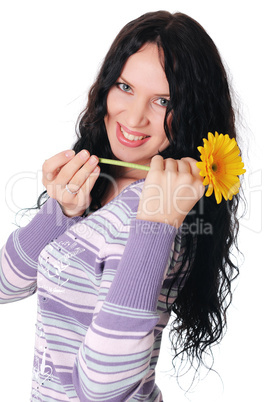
(93, 160)
(84, 154)
(69, 153)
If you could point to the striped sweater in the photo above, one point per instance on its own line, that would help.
(101, 285)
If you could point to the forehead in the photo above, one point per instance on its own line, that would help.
(145, 68)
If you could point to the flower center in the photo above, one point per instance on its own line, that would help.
(214, 167)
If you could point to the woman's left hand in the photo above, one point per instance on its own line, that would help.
(171, 189)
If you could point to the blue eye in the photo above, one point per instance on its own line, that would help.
(124, 87)
(162, 102)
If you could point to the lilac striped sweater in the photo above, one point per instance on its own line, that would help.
(101, 283)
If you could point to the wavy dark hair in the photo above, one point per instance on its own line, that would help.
(200, 102)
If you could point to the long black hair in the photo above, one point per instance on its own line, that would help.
(200, 102)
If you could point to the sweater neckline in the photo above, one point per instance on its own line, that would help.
(134, 183)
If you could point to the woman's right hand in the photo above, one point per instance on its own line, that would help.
(78, 172)
(171, 189)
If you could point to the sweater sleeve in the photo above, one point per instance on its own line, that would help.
(114, 361)
(19, 256)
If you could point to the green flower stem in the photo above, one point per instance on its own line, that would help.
(125, 164)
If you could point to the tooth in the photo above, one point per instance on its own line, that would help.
(131, 137)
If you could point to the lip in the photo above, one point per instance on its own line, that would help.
(125, 141)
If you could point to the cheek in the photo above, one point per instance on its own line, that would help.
(114, 103)
(108, 119)
(109, 108)
(165, 143)
(158, 127)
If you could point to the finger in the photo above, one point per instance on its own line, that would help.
(171, 165)
(194, 169)
(183, 166)
(82, 174)
(90, 182)
(70, 169)
(157, 163)
(53, 165)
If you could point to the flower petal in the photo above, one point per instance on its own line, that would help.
(222, 152)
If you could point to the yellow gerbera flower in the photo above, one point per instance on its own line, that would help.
(220, 166)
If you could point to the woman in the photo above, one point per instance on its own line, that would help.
(115, 250)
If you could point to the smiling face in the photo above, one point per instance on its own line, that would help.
(136, 108)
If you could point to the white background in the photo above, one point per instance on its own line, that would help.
(50, 53)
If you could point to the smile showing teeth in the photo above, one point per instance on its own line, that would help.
(132, 137)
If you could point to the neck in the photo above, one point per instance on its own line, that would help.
(119, 172)
(122, 178)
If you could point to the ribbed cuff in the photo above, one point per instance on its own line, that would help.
(48, 224)
(140, 274)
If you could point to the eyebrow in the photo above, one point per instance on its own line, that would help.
(132, 86)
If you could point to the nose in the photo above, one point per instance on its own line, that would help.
(137, 114)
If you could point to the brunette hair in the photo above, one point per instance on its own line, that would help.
(200, 102)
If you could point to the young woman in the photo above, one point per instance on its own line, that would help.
(115, 250)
